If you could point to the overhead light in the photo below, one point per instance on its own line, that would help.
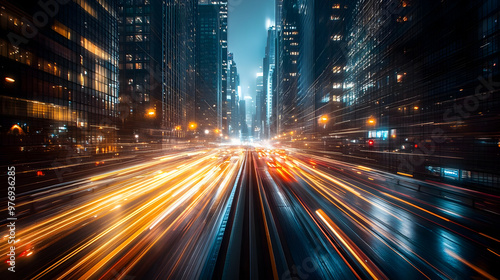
(10, 80)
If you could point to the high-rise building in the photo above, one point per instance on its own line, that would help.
(223, 18)
(142, 102)
(421, 83)
(213, 65)
(260, 110)
(269, 82)
(179, 66)
(330, 54)
(321, 62)
(59, 73)
(287, 54)
(208, 68)
(233, 97)
(244, 133)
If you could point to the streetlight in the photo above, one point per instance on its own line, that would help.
(372, 121)
(151, 112)
(10, 80)
(323, 120)
(192, 125)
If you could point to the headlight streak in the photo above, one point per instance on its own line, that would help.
(356, 252)
(475, 268)
(68, 222)
(374, 226)
(413, 205)
(138, 229)
(137, 256)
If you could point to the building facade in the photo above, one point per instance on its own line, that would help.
(287, 54)
(59, 68)
(208, 68)
(269, 84)
(142, 103)
(179, 67)
(233, 97)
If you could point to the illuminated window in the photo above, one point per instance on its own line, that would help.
(337, 85)
(138, 66)
(334, 18)
(128, 57)
(138, 38)
(337, 69)
(337, 37)
(336, 6)
(86, 7)
(138, 20)
(61, 29)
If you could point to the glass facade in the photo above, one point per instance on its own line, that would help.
(407, 85)
(179, 77)
(233, 97)
(285, 114)
(209, 68)
(142, 106)
(59, 71)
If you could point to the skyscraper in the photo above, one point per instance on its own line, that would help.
(420, 83)
(211, 11)
(208, 68)
(269, 81)
(260, 110)
(142, 102)
(287, 54)
(179, 74)
(59, 89)
(321, 62)
(233, 97)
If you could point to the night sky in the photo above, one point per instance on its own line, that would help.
(247, 37)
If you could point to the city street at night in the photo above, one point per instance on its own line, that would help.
(249, 139)
(246, 213)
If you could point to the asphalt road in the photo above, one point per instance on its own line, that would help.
(247, 213)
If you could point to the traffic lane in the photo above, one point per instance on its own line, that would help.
(476, 225)
(31, 177)
(36, 200)
(307, 251)
(105, 223)
(457, 208)
(419, 225)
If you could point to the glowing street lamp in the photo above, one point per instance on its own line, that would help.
(192, 126)
(371, 121)
(10, 80)
(323, 119)
(151, 112)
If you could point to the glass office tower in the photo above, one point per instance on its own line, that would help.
(59, 73)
